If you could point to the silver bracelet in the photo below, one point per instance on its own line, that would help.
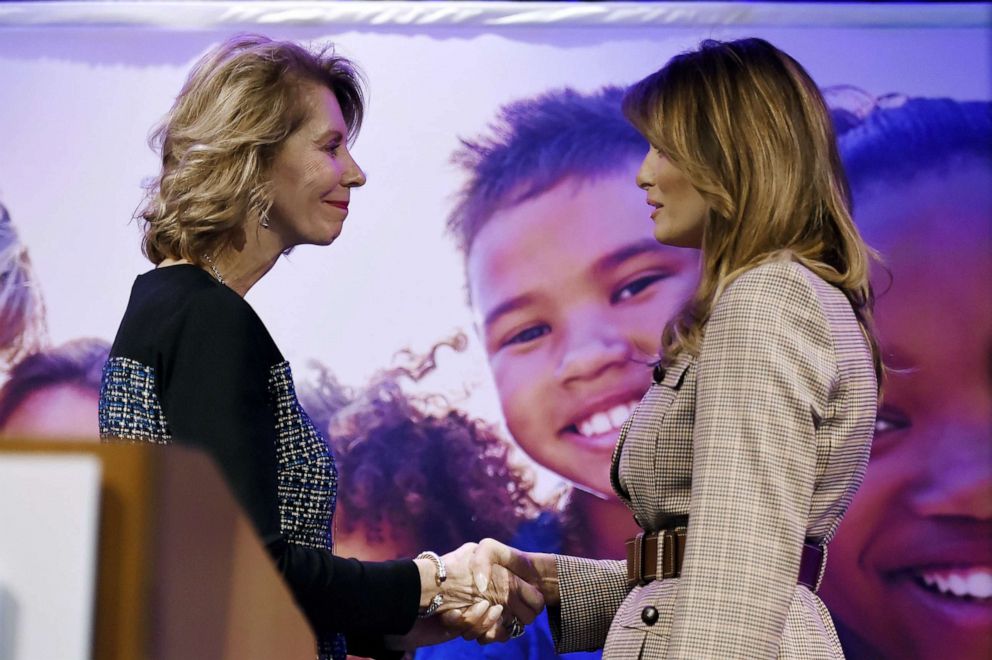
(439, 577)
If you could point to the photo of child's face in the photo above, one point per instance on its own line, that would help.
(571, 292)
(910, 571)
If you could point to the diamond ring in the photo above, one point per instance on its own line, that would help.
(515, 628)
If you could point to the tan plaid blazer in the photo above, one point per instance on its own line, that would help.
(756, 445)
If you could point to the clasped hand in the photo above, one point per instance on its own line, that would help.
(491, 591)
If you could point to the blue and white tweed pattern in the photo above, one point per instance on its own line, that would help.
(129, 405)
(307, 478)
(308, 481)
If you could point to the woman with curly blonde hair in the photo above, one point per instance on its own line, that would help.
(742, 457)
(255, 161)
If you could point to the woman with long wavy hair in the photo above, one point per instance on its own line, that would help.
(745, 452)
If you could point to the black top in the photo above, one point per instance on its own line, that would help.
(193, 364)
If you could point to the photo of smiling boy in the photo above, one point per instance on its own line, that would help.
(570, 291)
(569, 288)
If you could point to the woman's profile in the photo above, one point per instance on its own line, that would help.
(255, 161)
(742, 457)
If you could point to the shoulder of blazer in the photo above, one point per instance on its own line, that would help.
(779, 287)
(783, 303)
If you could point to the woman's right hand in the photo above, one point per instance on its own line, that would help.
(499, 567)
(463, 590)
(492, 561)
(457, 589)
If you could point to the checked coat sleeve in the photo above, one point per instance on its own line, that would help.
(591, 592)
(765, 374)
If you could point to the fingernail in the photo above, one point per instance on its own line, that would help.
(481, 581)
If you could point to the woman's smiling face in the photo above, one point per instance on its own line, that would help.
(572, 291)
(313, 174)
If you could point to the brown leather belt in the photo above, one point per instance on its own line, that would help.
(642, 559)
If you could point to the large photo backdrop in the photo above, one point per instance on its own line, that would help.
(465, 422)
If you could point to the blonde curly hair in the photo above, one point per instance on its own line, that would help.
(240, 103)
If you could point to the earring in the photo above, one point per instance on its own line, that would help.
(264, 221)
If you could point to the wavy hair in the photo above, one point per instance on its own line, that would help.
(746, 124)
(240, 103)
(417, 465)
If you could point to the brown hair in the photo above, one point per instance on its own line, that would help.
(748, 127)
(535, 143)
(241, 102)
(417, 465)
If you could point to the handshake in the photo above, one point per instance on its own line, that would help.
(488, 593)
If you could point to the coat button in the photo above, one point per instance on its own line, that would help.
(649, 615)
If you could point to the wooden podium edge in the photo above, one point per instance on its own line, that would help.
(180, 571)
